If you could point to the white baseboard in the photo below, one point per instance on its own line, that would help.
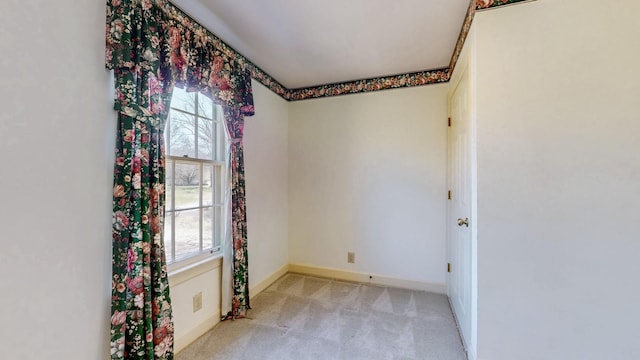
(184, 341)
(260, 286)
(440, 288)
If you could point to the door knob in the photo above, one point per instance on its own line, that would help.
(464, 222)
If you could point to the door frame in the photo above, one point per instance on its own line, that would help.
(466, 63)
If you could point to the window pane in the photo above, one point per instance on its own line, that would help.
(167, 235)
(218, 184)
(218, 228)
(187, 180)
(206, 139)
(207, 228)
(221, 135)
(193, 188)
(167, 143)
(187, 233)
(207, 185)
(182, 134)
(205, 106)
(168, 176)
(183, 100)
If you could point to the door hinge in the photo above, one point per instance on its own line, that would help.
(449, 122)
(449, 194)
(448, 267)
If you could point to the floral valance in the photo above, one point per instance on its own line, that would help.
(154, 36)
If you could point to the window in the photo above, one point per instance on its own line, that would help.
(195, 140)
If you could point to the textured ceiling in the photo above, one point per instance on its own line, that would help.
(303, 43)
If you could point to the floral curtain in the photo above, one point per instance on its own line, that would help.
(240, 269)
(141, 308)
(152, 46)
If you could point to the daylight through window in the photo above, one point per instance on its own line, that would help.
(195, 141)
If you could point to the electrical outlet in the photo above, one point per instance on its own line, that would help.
(197, 301)
(351, 257)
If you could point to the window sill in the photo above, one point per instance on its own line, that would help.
(187, 272)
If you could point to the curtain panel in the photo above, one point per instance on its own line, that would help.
(240, 269)
(152, 47)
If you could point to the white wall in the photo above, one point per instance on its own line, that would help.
(559, 181)
(57, 134)
(188, 324)
(367, 173)
(266, 163)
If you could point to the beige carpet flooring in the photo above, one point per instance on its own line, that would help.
(303, 317)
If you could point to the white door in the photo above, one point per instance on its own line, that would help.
(459, 285)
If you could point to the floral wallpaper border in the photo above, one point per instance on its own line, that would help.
(418, 78)
(265, 79)
(373, 84)
(486, 4)
(466, 26)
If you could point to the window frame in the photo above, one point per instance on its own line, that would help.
(218, 181)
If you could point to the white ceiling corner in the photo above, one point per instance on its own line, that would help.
(303, 43)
